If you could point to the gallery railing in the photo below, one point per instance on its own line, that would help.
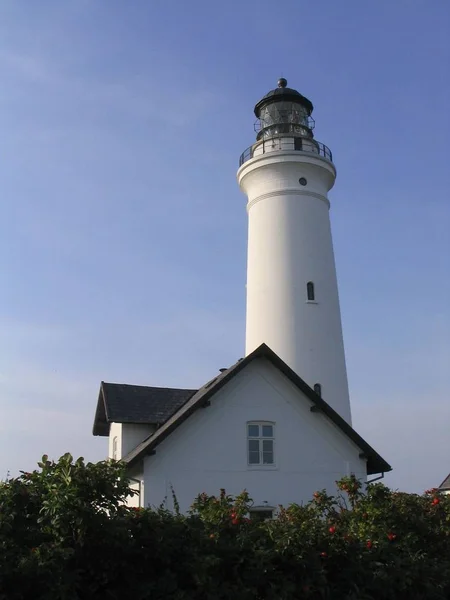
(278, 143)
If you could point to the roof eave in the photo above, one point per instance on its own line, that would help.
(101, 421)
(377, 465)
(445, 485)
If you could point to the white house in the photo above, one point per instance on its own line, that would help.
(256, 426)
(278, 422)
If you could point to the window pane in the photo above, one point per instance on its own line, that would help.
(253, 445)
(267, 452)
(267, 446)
(253, 458)
(253, 431)
(268, 458)
(267, 430)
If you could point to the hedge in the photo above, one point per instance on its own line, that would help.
(66, 534)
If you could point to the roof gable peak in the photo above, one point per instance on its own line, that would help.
(201, 398)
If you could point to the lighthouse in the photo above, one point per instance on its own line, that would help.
(283, 411)
(292, 291)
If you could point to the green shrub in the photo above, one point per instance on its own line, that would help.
(66, 534)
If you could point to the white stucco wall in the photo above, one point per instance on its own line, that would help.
(115, 432)
(208, 451)
(137, 485)
(128, 435)
(290, 244)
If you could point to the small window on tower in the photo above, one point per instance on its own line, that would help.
(310, 291)
(318, 389)
(298, 144)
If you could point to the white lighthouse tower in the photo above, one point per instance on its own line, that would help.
(292, 292)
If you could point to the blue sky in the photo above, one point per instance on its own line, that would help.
(123, 231)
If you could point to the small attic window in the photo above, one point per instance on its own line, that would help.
(310, 291)
(318, 389)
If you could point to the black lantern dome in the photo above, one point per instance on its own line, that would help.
(284, 110)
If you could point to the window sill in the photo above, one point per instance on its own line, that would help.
(262, 467)
(311, 302)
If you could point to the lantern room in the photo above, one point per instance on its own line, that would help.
(284, 110)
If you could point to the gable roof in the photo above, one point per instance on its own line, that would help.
(201, 398)
(445, 485)
(122, 403)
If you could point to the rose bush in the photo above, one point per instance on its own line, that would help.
(66, 534)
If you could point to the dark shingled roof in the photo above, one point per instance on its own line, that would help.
(122, 403)
(201, 398)
(445, 485)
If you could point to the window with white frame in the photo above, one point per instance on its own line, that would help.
(260, 443)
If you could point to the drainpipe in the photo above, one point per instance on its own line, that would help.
(375, 478)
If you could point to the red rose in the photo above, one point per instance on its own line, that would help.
(435, 501)
(369, 544)
(235, 521)
(391, 536)
(332, 529)
(233, 515)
